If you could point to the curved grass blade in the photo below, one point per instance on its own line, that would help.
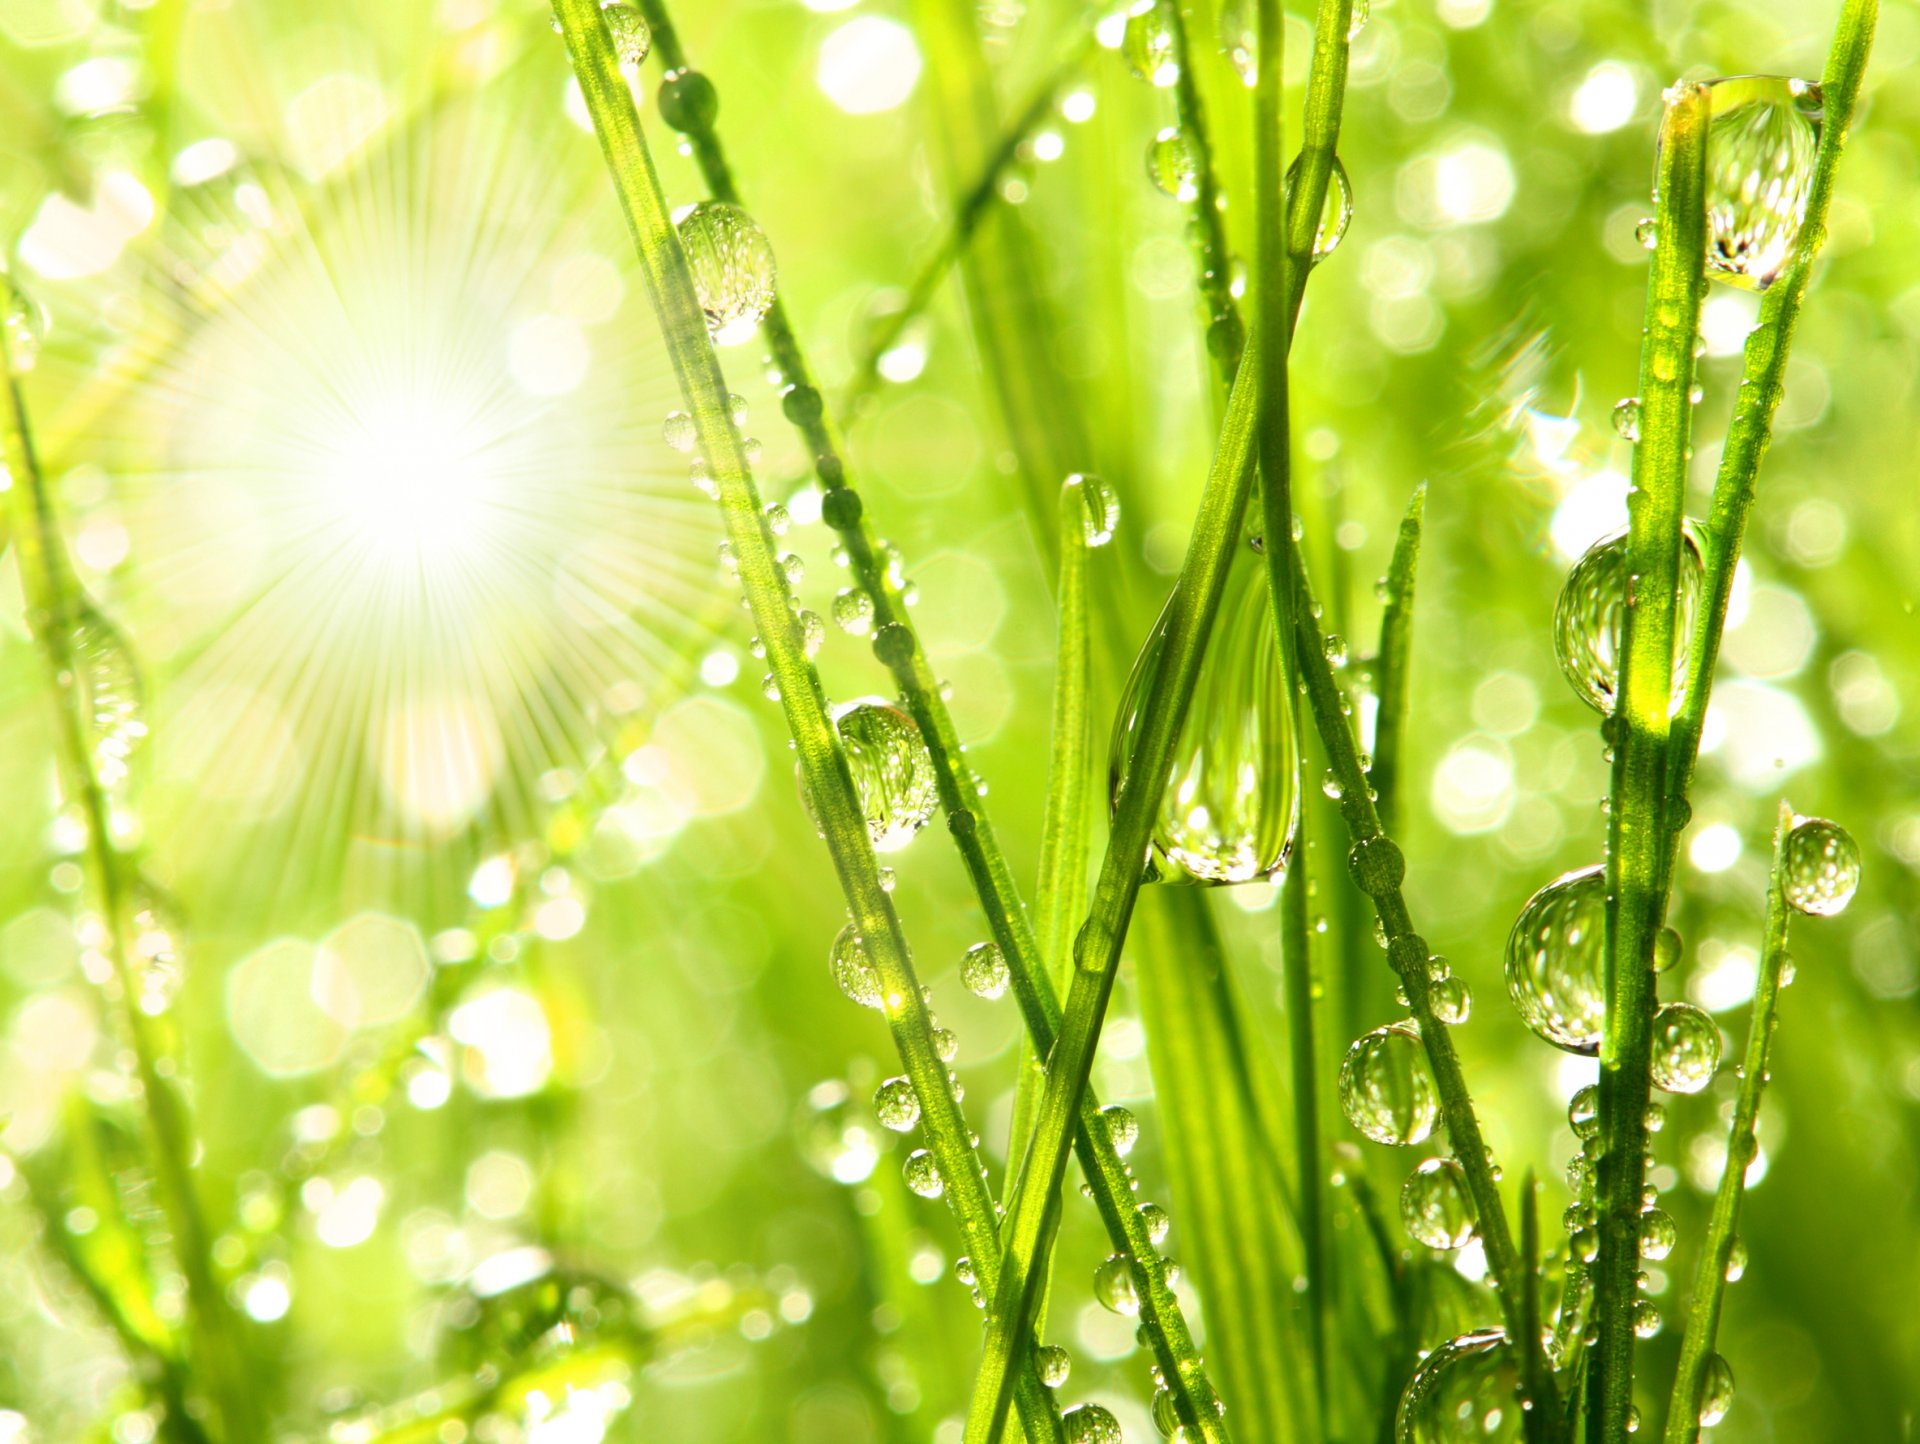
(1395, 658)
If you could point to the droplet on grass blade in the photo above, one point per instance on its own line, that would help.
(1172, 165)
(1555, 956)
(1468, 1389)
(111, 694)
(853, 611)
(631, 37)
(1148, 47)
(1336, 211)
(1822, 867)
(1385, 1088)
(1053, 1364)
(1626, 418)
(896, 1105)
(1686, 1048)
(1100, 517)
(984, 971)
(25, 324)
(1434, 1204)
(1590, 617)
(1763, 135)
(923, 1174)
(1090, 1424)
(892, 770)
(1114, 1287)
(853, 970)
(1716, 1391)
(733, 268)
(1122, 1128)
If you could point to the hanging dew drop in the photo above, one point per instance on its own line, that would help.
(1589, 617)
(1114, 1287)
(1173, 167)
(1763, 134)
(111, 695)
(1053, 1364)
(923, 1174)
(1716, 1391)
(1821, 867)
(1686, 1048)
(1468, 1389)
(1647, 233)
(1148, 47)
(733, 268)
(853, 970)
(1122, 1128)
(984, 971)
(1583, 1113)
(1646, 1319)
(1435, 1206)
(1231, 801)
(946, 1045)
(1626, 418)
(631, 37)
(1736, 1261)
(1452, 1001)
(1658, 1234)
(892, 770)
(896, 1105)
(1157, 1222)
(1385, 1088)
(1357, 21)
(1100, 517)
(1555, 956)
(1336, 211)
(853, 611)
(1090, 1424)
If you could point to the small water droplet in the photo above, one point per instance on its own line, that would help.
(1100, 515)
(1626, 418)
(1053, 1364)
(1590, 615)
(853, 611)
(1330, 784)
(923, 1174)
(896, 1105)
(984, 971)
(1386, 1090)
(1686, 1048)
(25, 325)
(892, 770)
(1114, 1286)
(946, 1045)
(1435, 1205)
(1647, 233)
(1172, 165)
(1149, 49)
(1157, 1222)
(733, 268)
(1646, 1318)
(1555, 955)
(1122, 1127)
(1452, 1001)
(1658, 1234)
(1583, 1113)
(1821, 867)
(1737, 1261)
(1716, 1391)
(853, 970)
(112, 697)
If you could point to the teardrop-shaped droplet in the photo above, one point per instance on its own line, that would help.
(1686, 1048)
(1100, 515)
(1716, 1391)
(923, 1174)
(1591, 613)
(1452, 1001)
(1053, 1364)
(853, 970)
(1626, 418)
(896, 1105)
(733, 269)
(1122, 1128)
(111, 695)
(1357, 18)
(1821, 867)
(892, 770)
(1336, 212)
(1658, 1234)
(1762, 137)
(1736, 1261)
(1555, 956)
(1583, 1112)
(1172, 165)
(1114, 1286)
(853, 611)
(631, 37)
(1435, 1206)
(1090, 1424)
(1232, 800)
(984, 971)
(1148, 47)
(1386, 1089)
(1157, 1222)
(1468, 1389)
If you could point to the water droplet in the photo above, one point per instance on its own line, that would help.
(1053, 1364)
(892, 770)
(1626, 419)
(155, 953)
(631, 38)
(1172, 165)
(853, 611)
(1555, 955)
(1656, 1117)
(853, 970)
(1157, 1221)
(1591, 612)
(1113, 1285)
(1667, 948)
(770, 687)
(111, 695)
(1122, 1127)
(1239, 40)
(733, 269)
(518, 1315)
(25, 325)
(1101, 515)
(1357, 20)
(1166, 1415)
(1090, 1424)
(1647, 233)
(1467, 1389)
(1452, 1001)
(1821, 867)
(1646, 1318)
(1762, 136)
(946, 1045)
(1336, 212)
(1330, 784)
(984, 971)
(1686, 1048)
(923, 1174)
(1231, 801)
(1335, 650)
(896, 1105)
(1385, 1088)
(1716, 1391)
(1435, 1206)
(1583, 1113)
(1658, 1234)
(1148, 46)
(1737, 1261)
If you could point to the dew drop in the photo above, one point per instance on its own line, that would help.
(1231, 804)
(1467, 1389)
(892, 770)
(25, 325)
(631, 37)
(1667, 948)
(1239, 40)
(1716, 1391)
(1122, 1128)
(1113, 1285)
(1357, 20)
(1330, 785)
(1148, 47)
(1591, 612)
(1762, 136)
(1385, 1088)
(733, 268)
(1646, 1318)
(1452, 1001)
(1053, 1364)
(1686, 1048)
(1090, 1424)
(1172, 165)
(923, 1174)
(853, 611)
(1822, 867)
(1583, 1113)
(1658, 1234)
(1336, 212)
(1555, 956)
(1100, 514)
(984, 971)
(1435, 1206)
(896, 1105)
(1736, 1261)
(1157, 1222)
(813, 632)
(853, 970)
(112, 697)
(1626, 419)
(1334, 647)
(946, 1045)
(1647, 233)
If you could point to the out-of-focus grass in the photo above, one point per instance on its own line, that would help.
(1472, 332)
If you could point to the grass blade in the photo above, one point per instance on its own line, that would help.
(1395, 659)
(1636, 827)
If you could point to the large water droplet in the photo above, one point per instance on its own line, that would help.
(1148, 46)
(1762, 138)
(1555, 956)
(1385, 1087)
(984, 971)
(923, 1174)
(1053, 1364)
(1686, 1048)
(1172, 165)
(853, 970)
(1113, 1285)
(1122, 1128)
(1157, 1222)
(1231, 801)
(1658, 1234)
(1435, 1206)
(1336, 211)
(1821, 867)
(111, 695)
(1716, 1391)
(1468, 1389)
(1090, 1424)
(1589, 617)
(896, 1105)
(631, 37)
(853, 611)
(892, 770)
(733, 270)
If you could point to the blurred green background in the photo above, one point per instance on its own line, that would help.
(459, 770)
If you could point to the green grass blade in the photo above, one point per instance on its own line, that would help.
(1394, 660)
(1710, 1277)
(1636, 827)
(823, 762)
